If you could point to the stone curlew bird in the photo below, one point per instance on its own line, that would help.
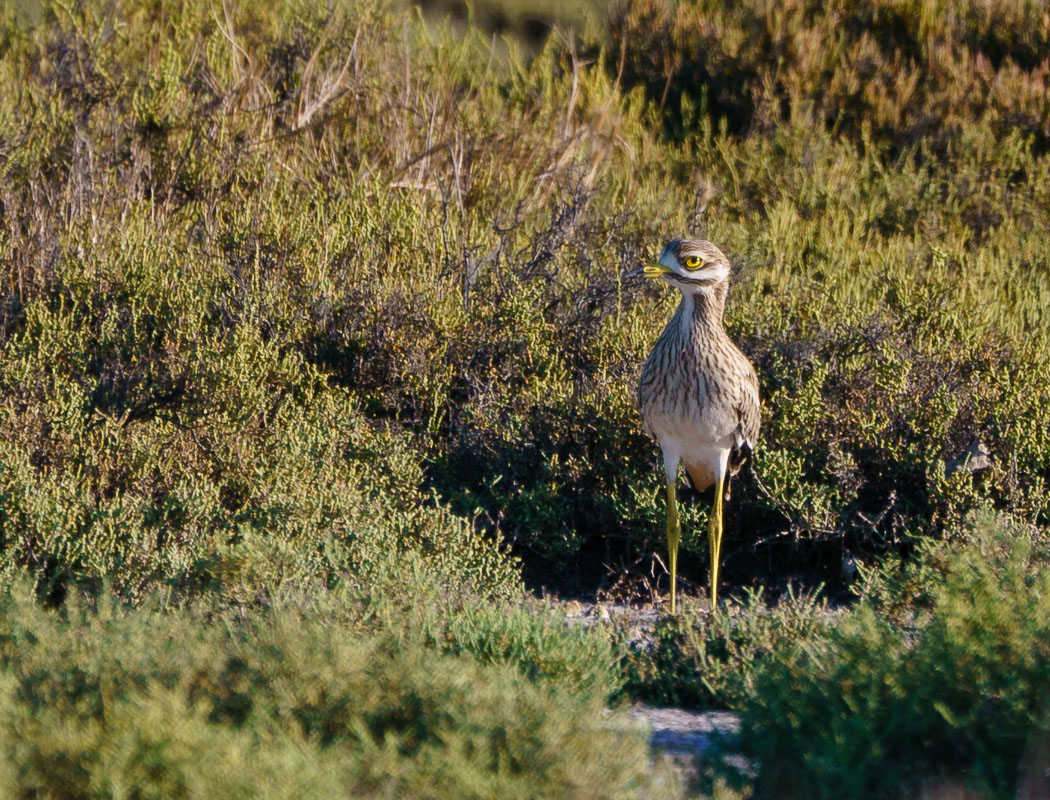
(698, 393)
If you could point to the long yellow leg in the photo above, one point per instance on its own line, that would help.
(714, 540)
(674, 535)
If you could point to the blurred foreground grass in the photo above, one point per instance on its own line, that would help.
(307, 699)
(318, 340)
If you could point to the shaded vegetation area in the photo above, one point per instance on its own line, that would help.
(319, 334)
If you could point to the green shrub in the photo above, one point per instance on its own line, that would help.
(540, 641)
(702, 660)
(959, 697)
(224, 237)
(279, 481)
(146, 703)
(878, 71)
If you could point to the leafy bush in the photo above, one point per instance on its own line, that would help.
(703, 660)
(222, 235)
(958, 698)
(891, 72)
(540, 641)
(285, 703)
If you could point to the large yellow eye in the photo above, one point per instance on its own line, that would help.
(693, 262)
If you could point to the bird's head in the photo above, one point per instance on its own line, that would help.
(690, 265)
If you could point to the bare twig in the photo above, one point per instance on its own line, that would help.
(308, 106)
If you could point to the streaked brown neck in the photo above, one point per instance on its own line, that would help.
(708, 306)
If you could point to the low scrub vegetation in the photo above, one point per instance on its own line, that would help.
(700, 659)
(319, 334)
(300, 700)
(955, 700)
